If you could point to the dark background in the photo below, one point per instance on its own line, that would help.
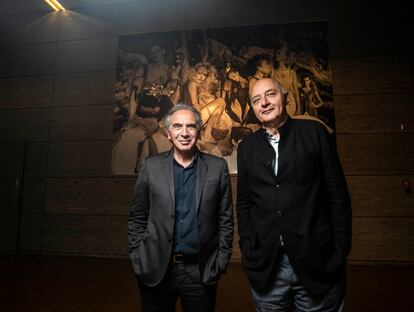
(57, 76)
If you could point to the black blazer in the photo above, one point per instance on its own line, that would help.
(152, 217)
(307, 203)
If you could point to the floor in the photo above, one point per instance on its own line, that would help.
(52, 283)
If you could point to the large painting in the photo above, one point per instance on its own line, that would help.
(213, 70)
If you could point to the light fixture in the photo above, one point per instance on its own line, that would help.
(55, 5)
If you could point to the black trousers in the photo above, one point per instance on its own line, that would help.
(183, 281)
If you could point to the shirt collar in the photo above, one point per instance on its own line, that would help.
(283, 130)
(192, 164)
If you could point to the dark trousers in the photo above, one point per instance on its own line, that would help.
(181, 281)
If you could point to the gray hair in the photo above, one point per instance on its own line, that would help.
(278, 87)
(178, 107)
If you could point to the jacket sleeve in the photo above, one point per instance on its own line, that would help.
(138, 215)
(225, 218)
(243, 199)
(337, 193)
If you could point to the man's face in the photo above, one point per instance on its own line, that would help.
(267, 101)
(182, 131)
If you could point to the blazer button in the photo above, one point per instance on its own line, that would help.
(278, 186)
(172, 217)
(169, 238)
(279, 213)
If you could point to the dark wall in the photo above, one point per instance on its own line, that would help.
(57, 73)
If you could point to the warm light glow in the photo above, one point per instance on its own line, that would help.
(55, 5)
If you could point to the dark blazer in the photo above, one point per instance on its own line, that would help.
(307, 203)
(152, 217)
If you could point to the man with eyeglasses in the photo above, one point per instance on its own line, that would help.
(293, 209)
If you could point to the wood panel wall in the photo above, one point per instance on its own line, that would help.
(57, 73)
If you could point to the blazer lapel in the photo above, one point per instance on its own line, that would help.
(201, 177)
(167, 163)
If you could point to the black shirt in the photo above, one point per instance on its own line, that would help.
(186, 225)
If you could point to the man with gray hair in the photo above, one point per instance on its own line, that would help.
(181, 221)
(293, 209)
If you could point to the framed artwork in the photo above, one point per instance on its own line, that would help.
(213, 70)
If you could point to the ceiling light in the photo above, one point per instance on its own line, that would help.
(55, 5)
